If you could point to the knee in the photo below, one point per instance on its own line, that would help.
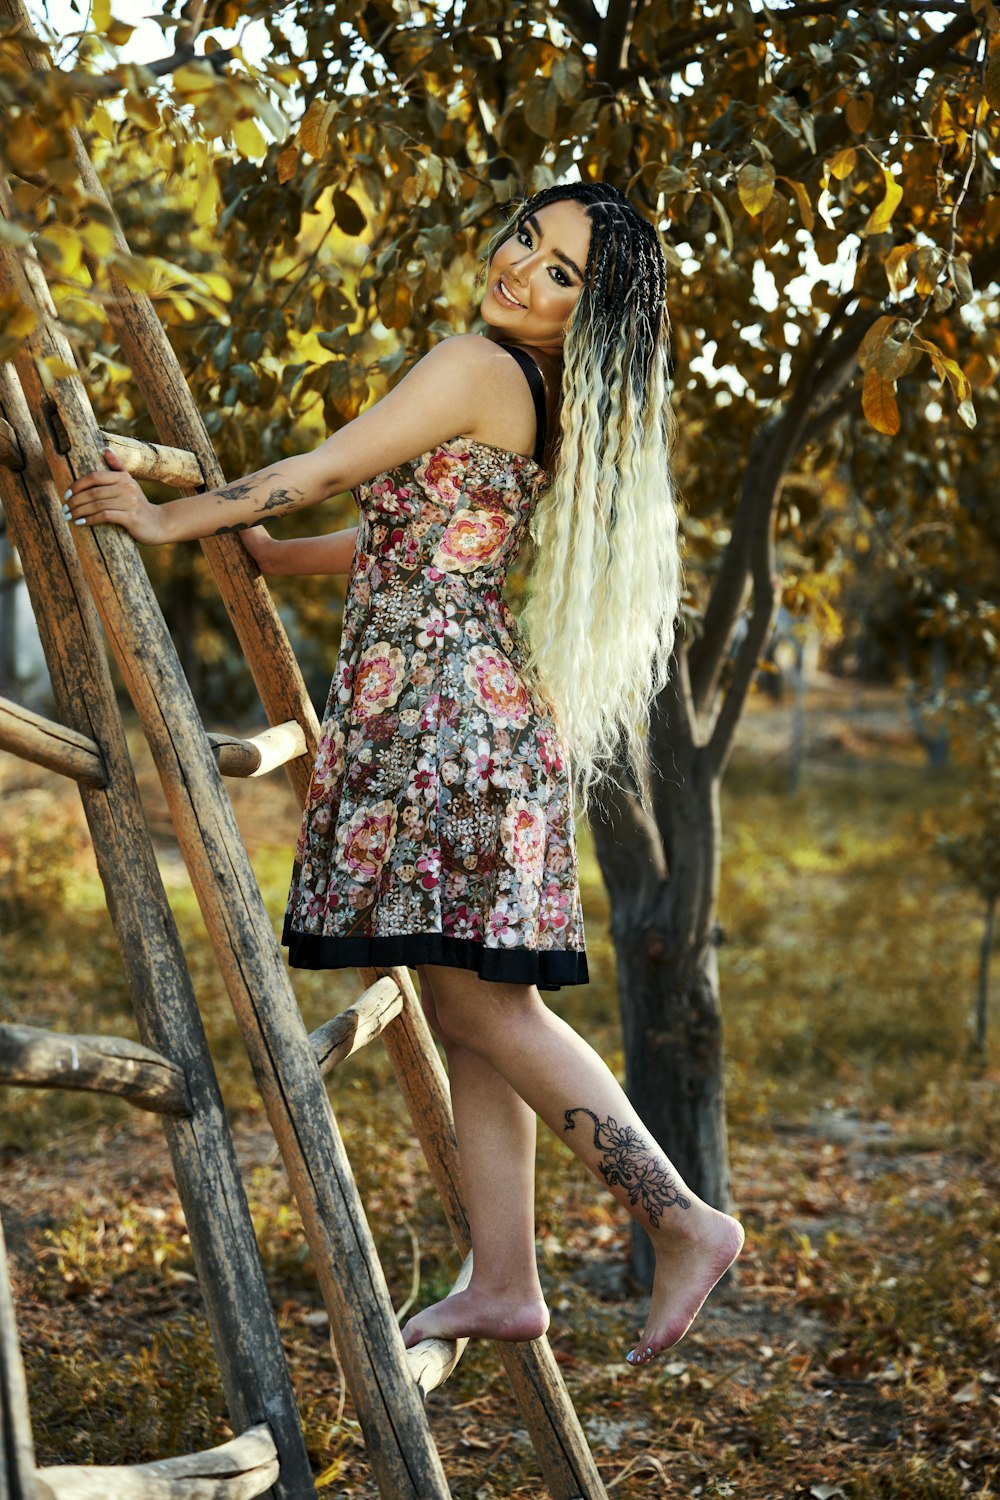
(481, 1016)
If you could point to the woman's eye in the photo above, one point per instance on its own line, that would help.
(563, 278)
(524, 237)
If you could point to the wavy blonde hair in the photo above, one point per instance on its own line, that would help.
(605, 581)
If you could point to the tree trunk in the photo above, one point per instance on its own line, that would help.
(983, 993)
(665, 936)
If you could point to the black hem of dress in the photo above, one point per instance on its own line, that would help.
(548, 969)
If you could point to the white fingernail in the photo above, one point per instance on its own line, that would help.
(68, 495)
(80, 521)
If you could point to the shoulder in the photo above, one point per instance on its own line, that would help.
(465, 354)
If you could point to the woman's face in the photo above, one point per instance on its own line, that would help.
(536, 276)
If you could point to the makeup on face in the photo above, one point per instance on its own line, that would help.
(536, 275)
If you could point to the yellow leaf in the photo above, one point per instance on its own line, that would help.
(288, 160)
(142, 110)
(249, 141)
(843, 164)
(804, 202)
(880, 218)
(207, 201)
(102, 122)
(991, 83)
(755, 185)
(967, 412)
(859, 112)
(194, 80)
(58, 368)
(217, 285)
(101, 14)
(874, 339)
(895, 263)
(98, 238)
(316, 126)
(878, 402)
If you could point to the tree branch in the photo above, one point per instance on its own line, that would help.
(612, 46)
(583, 20)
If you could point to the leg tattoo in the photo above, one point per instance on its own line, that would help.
(630, 1162)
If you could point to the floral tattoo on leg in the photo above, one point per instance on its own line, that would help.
(630, 1162)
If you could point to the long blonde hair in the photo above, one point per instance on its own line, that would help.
(605, 581)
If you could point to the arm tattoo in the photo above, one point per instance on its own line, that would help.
(244, 488)
(239, 526)
(629, 1161)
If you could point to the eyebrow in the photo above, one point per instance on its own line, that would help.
(533, 222)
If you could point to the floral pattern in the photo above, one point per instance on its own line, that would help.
(439, 822)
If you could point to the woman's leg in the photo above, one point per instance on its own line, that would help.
(562, 1078)
(496, 1142)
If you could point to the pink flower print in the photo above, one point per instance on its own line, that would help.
(463, 922)
(442, 474)
(548, 751)
(422, 784)
(436, 626)
(429, 868)
(502, 927)
(430, 713)
(484, 766)
(522, 829)
(497, 687)
(367, 839)
(379, 680)
(553, 908)
(471, 538)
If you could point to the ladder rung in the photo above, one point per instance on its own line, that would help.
(34, 1058)
(11, 456)
(47, 743)
(177, 467)
(358, 1025)
(244, 1467)
(260, 753)
(432, 1360)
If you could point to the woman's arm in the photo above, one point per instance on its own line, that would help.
(449, 393)
(332, 553)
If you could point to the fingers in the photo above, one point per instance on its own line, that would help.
(100, 496)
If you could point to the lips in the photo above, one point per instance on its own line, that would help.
(503, 296)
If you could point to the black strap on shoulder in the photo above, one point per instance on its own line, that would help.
(534, 378)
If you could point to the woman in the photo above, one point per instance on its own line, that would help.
(438, 831)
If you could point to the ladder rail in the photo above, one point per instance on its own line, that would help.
(244, 1330)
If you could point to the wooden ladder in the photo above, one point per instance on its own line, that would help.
(48, 436)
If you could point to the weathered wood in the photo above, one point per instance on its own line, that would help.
(260, 753)
(153, 461)
(238, 1470)
(48, 744)
(37, 1059)
(433, 1360)
(402, 1453)
(17, 1453)
(146, 348)
(356, 1026)
(11, 456)
(241, 1317)
(563, 1452)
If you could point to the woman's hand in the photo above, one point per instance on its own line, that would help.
(112, 496)
(258, 541)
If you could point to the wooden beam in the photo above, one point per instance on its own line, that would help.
(237, 1299)
(177, 467)
(11, 456)
(17, 1452)
(238, 1470)
(46, 743)
(433, 1360)
(35, 1058)
(358, 1025)
(260, 753)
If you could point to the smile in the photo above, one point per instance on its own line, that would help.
(501, 293)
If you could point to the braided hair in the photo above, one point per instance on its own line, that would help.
(605, 581)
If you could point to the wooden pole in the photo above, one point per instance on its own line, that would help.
(34, 1058)
(45, 743)
(17, 1451)
(402, 1453)
(244, 1331)
(237, 1470)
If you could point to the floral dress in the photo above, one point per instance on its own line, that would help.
(439, 822)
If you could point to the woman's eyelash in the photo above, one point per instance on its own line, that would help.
(523, 234)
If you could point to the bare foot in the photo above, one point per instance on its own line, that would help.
(689, 1261)
(473, 1314)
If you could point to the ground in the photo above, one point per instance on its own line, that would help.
(856, 1353)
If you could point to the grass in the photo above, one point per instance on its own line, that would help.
(857, 1351)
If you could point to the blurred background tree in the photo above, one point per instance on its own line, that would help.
(825, 177)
